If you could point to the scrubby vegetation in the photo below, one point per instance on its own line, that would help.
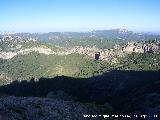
(39, 65)
(140, 62)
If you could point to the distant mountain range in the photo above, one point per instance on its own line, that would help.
(70, 39)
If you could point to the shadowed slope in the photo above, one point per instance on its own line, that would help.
(126, 91)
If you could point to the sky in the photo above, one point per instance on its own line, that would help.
(79, 15)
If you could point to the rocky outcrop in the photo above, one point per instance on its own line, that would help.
(146, 47)
(133, 47)
(9, 55)
(151, 48)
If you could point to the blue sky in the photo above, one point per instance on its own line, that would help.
(79, 15)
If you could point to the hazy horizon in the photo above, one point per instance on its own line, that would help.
(41, 16)
(45, 32)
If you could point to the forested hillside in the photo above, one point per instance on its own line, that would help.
(39, 65)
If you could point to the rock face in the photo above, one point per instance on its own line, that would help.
(147, 47)
(133, 47)
(33, 108)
